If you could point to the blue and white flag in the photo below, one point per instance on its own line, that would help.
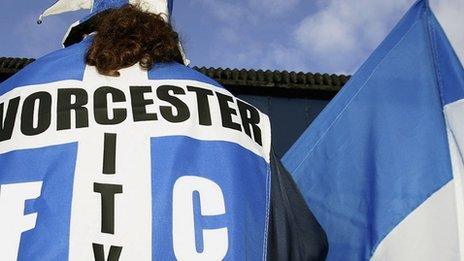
(382, 166)
(138, 167)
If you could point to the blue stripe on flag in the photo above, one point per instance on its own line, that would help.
(54, 166)
(448, 69)
(244, 187)
(169, 71)
(101, 5)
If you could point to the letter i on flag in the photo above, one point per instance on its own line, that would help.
(382, 166)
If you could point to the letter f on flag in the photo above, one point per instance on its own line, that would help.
(382, 166)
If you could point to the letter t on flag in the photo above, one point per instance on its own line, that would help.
(382, 166)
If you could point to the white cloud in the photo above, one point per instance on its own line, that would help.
(342, 34)
(248, 11)
(335, 36)
(229, 35)
(450, 14)
(225, 11)
(273, 7)
(238, 24)
(347, 31)
(283, 57)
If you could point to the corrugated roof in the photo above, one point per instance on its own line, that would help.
(12, 65)
(256, 81)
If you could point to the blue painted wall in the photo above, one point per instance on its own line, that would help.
(289, 117)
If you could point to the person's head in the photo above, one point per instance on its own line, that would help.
(127, 35)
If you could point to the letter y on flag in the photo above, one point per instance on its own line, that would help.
(382, 166)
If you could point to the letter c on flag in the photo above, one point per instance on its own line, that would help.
(215, 241)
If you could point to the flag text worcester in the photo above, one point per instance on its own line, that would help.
(168, 103)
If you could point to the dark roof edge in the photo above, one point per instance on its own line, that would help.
(257, 81)
(12, 65)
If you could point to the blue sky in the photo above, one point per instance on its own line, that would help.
(333, 36)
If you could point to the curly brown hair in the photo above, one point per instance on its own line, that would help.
(128, 35)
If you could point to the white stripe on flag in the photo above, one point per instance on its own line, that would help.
(428, 233)
(132, 216)
(454, 113)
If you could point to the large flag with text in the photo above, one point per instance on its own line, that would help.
(137, 167)
(382, 165)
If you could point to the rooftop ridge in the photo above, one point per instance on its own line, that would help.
(282, 79)
(236, 78)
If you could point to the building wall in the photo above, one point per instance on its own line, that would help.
(290, 117)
